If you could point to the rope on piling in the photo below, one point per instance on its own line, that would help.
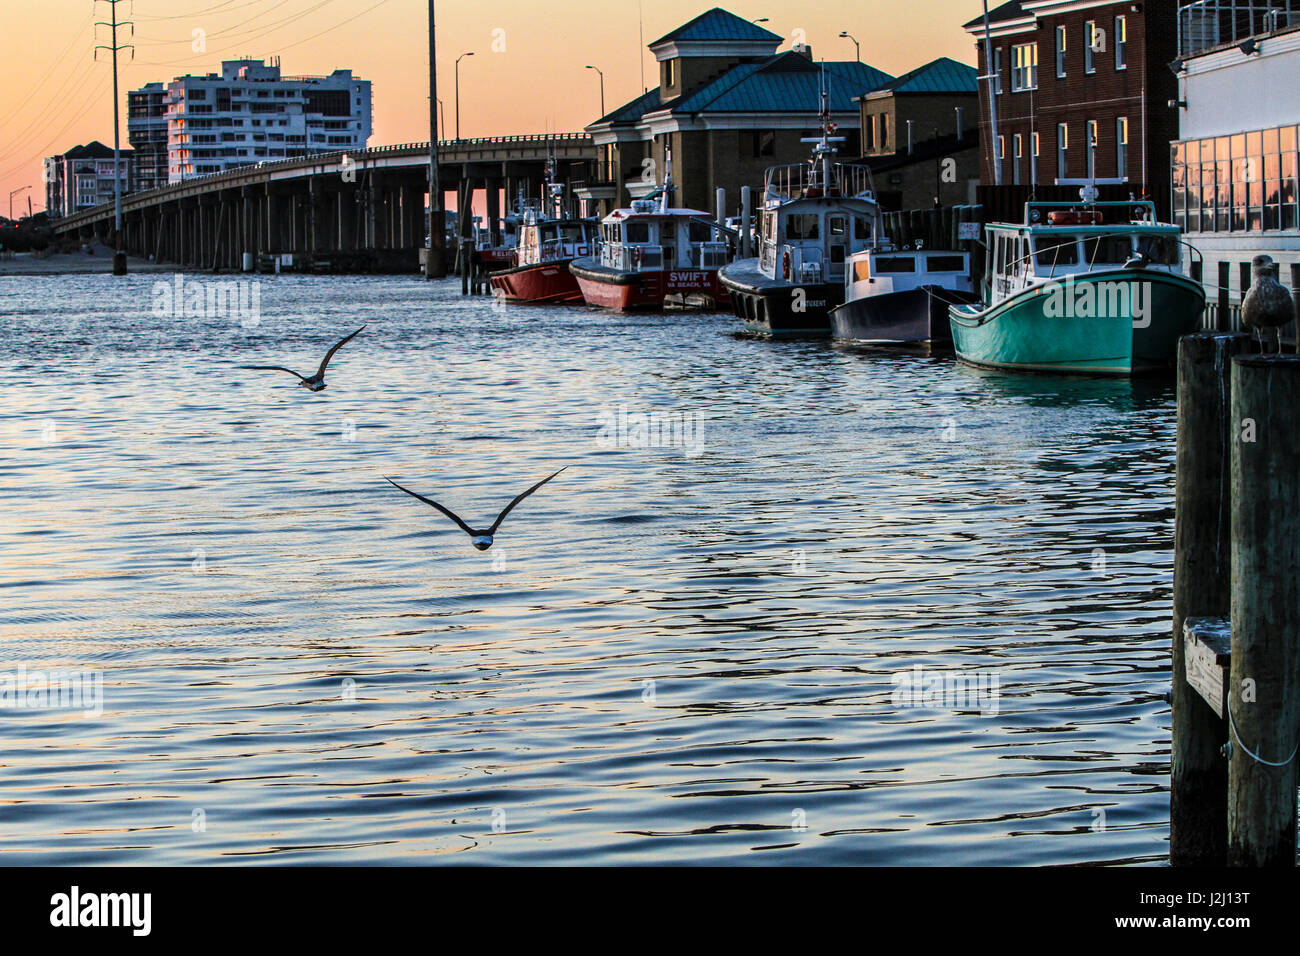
(1251, 754)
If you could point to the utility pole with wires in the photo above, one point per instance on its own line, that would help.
(119, 256)
(435, 260)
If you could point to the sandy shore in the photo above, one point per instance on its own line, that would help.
(77, 263)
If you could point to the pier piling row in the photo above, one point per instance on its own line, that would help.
(1236, 635)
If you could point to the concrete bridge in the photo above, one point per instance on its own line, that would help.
(360, 211)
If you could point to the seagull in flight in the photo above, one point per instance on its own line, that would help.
(317, 381)
(480, 539)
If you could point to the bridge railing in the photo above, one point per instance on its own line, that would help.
(480, 142)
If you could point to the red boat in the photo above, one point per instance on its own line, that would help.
(546, 247)
(652, 252)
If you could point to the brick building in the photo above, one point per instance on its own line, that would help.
(1082, 94)
(728, 106)
(913, 126)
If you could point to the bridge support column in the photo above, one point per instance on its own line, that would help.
(493, 189)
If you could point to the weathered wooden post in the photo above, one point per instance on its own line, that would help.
(1264, 692)
(1198, 786)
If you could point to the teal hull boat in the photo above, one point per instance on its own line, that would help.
(1046, 329)
(1096, 289)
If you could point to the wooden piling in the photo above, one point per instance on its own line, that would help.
(1264, 691)
(1198, 786)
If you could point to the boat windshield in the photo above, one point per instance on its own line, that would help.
(802, 226)
(861, 227)
(1107, 250)
(572, 232)
(638, 232)
(1053, 251)
(1160, 250)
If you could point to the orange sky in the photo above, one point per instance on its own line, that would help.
(526, 75)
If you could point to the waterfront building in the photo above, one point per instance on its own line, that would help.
(912, 126)
(82, 177)
(727, 107)
(1234, 165)
(251, 113)
(1082, 91)
(146, 125)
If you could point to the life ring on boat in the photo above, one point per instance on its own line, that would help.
(1072, 217)
(785, 264)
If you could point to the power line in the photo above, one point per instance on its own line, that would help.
(244, 38)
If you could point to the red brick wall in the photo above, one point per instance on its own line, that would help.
(1141, 93)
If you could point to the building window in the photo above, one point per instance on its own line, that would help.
(884, 131)
(1019, 146)
(1121, 147)
(669, 73)
(761, 143)
(1091, 40)
(1033, 158)
(997, 70)
(1062, 150)
(1060, 51)
(1121, 43)
(1024, 67)
(1092, 149)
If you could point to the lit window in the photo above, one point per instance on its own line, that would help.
(1121, 43)
(1060, 51)
(1121, 147)
(1062, 150)
(1024, 67)
(1091, 41)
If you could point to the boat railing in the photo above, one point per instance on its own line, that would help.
(632, 258)
(708, 255)
(1020, 265)
(805, 180)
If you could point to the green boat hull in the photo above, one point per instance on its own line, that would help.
(1063, 327)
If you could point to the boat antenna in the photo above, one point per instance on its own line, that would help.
(823, 145)
(666, 198)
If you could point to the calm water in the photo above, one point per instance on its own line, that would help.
(668, 655)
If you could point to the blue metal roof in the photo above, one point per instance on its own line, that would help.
(633, 111)
(784, 83)
(718, 24)
(943, 75)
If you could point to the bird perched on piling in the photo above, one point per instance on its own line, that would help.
(1268, 304)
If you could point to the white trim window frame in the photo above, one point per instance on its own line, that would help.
(1024, 67)
(1062, 39)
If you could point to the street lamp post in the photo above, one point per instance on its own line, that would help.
(458, 59)
(857, 49)
(602, 87)
(11, 199)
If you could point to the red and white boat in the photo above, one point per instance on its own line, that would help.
(548, 242)
(653, 251)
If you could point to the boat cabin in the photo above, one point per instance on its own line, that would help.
(1056, 241)
(813, 220)
(648, 238)
(545, 240)
(880, 272)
